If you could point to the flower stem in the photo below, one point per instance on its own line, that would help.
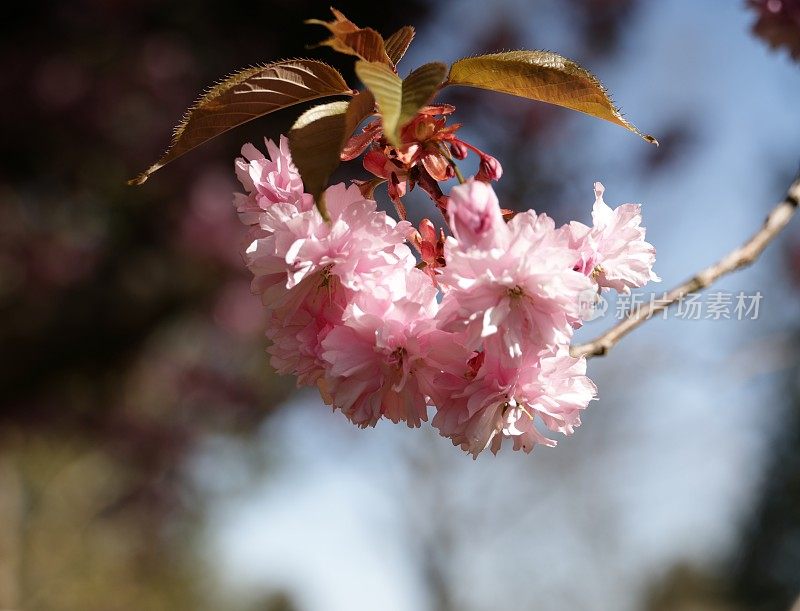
(458, 173)
(453, 164)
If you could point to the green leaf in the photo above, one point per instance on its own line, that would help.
(247, 95)
(347, 37)
(542, 76)
(399, 101)
(419, 87)
(397, 44)
(318, 136)
(387, 88)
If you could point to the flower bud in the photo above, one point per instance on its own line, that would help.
(458, 149)
(490, 169)
(475, 214)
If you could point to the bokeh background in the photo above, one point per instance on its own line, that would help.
(151, 460)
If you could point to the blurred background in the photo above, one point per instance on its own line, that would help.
(149, 457)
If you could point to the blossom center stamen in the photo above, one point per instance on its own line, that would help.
(325, 275)
(396, 357)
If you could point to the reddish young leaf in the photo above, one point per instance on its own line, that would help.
(397, 44)
(358, 143)
(348, 38)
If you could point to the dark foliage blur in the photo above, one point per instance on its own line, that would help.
(127, 328)
(778, 23)
(766, 573)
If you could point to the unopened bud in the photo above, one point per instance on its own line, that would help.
(490, 169)
(458, 149)
(474, 214)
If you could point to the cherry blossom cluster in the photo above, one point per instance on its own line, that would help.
(481, 339)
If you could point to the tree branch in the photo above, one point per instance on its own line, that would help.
(739, 258)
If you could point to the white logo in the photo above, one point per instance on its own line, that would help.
(591, 304)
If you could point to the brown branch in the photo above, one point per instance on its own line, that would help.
(739, 258)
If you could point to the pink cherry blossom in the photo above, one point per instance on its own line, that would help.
(359, 245)
(377, 359)
(613, 251)
(297, 333)
(268, 180)
(515, 280)
(481, 402)
(482, 334)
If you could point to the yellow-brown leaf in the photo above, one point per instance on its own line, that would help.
(318, 136)
(542, 76)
